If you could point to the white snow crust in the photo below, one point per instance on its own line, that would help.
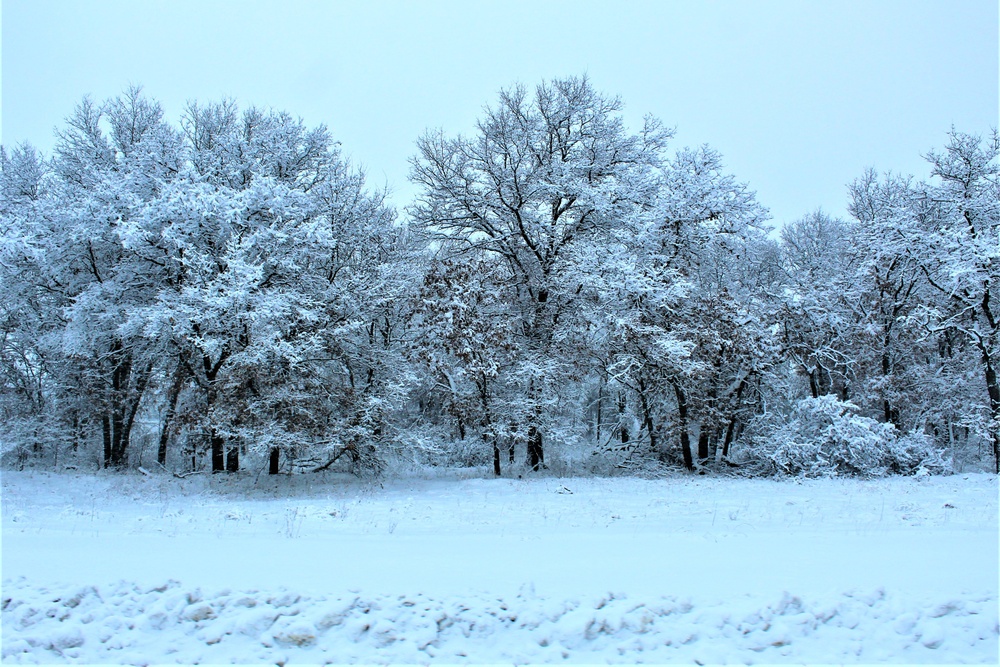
(319, 569)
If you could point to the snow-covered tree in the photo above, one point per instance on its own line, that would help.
(816, 320)
(894, 360)
(681, 340)
(541, 185)
(277, 304)
(26, 395)
(958, 246)
(233, 278)
(467, 344)
(101, 183)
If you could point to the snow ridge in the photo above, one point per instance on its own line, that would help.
(127, 623)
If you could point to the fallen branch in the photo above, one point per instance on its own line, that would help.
(343, 450)
(178, 475)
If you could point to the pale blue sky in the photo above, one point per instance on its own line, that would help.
(800, 97)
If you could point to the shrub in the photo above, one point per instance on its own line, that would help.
(825, 437)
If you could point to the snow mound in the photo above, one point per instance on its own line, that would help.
(130, 624)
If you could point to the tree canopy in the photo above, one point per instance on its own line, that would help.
(227, 289)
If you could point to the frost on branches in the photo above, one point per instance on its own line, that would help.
(563, 292)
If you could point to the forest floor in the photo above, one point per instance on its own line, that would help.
(461, 568)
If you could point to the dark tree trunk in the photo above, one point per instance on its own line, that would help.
(731, 427)
(598, 416)
(993, 388)
(647, 415)
(704, 438)
(218, 454)
(161, 449)
(486, 424)
(172, 396)
(707, 431)
(621, 418)
(273, 463)
(233, 459)
(119, 388)
(682, 418)
(536, 456)
(728, 440)
(135, 387)
(117, 434)
(845, 391)
(889, 412)
(216, 441)
(106, 433)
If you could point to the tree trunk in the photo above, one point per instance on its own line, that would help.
(172, 396)
(106, 433)
(731, 427)
(597, 418)
(623, 429)
(118, 444)
(216, 440)
(682, 418)
(134, 388)
(703, 442)
(496, 458)
(730, 431)
(536, 457)
(273, 463)
(218, 454)
(707, 432)
(233, 459)
(647, 415)
(119, 396)
(889, 412)
(993, 388)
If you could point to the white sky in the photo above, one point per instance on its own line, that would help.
(799, 96)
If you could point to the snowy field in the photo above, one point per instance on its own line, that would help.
(459, 569)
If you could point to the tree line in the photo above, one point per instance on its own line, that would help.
(227, 288)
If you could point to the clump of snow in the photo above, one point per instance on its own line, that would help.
(825, 436)
(137, 570)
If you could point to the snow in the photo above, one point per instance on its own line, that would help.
(457, 568)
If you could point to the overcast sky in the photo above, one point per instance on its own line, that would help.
(799, 96)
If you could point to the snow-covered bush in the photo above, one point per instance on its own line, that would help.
(826, 436)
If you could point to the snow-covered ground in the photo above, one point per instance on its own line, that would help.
(329, 569)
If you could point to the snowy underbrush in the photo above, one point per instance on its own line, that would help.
(825, 437)
(129, 624)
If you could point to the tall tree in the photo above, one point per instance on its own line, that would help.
(816, 319)
(682, 340)
(959, 246)
(103, 183)
(544, 177)
(467, 344)
(269, 240)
